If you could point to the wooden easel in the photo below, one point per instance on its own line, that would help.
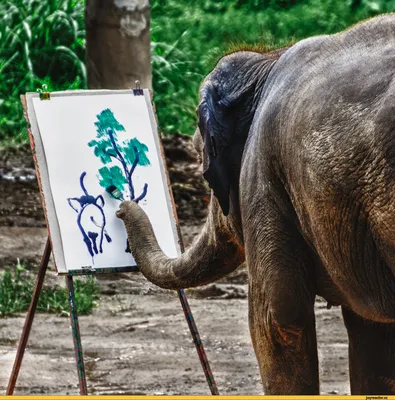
(76, 330)
(73, 311)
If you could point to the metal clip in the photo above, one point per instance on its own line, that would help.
(44, 94)
(137, 91)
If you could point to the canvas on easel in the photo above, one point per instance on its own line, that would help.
(87, 142)
(92, 150)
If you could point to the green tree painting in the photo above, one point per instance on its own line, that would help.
(120, 157)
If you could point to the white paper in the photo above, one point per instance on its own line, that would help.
(66, 125)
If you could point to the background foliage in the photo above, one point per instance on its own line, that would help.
(16, 289)
(43, 41)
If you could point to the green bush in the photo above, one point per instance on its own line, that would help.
(176, 82)
(16, 291)
(203, 30)
(43, 41)
(40, 42)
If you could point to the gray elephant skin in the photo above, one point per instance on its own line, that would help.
(298, 147)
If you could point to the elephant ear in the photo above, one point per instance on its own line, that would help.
(224, 139)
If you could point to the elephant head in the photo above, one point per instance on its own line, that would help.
(229, 98)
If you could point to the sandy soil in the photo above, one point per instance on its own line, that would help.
(137, 340)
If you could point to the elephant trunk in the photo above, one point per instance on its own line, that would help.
(214, 254)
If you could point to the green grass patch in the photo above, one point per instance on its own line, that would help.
(16, 289)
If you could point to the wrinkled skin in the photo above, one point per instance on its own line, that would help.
(298, 147)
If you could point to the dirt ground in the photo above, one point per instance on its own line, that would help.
(137, 340)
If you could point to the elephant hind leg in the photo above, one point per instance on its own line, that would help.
(371, 355)
(281, 308)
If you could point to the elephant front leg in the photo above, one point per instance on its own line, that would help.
(281, 309)
(371, 355)
(284, 338)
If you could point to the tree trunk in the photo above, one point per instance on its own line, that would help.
(118, 43)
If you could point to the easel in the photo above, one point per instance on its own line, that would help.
(74, 316)
(76, 330)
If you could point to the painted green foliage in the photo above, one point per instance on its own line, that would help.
(127, 155)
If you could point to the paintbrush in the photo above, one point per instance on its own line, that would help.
(114, 192)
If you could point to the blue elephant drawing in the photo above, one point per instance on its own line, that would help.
(90, 219)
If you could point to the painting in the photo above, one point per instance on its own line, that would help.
(99, 149)
(129, 154)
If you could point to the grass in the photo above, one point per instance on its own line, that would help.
(16, 289)
(201, 31)
(43, 41)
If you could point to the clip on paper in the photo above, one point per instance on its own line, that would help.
(138, 91)
(44, 94)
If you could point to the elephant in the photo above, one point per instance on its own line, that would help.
(298, 147)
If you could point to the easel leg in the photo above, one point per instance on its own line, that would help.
(29, 318)
(198, 343)
(76, 337)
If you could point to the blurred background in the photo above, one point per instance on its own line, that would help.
(44, 42)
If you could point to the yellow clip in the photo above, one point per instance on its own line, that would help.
(44, 95)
